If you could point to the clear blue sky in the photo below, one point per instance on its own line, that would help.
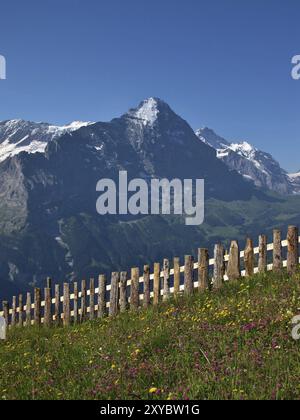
(221, 63)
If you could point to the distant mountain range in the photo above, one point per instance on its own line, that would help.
(295, 181)
(48, 220)
(18, 136)
(255, 165)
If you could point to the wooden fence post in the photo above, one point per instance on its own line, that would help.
(83, 301)
(166, 270)
(249, 258)
(75, 306)
(203, 263)
(134, 290)
(66, 305)
(234, 265)
(219, 266)
(28, 309)
(123, 291)
(189, 275)
(176, 263)
(20, 304)
(293, 250)
(101, 296)
(47, 309)
(262, 260)
(114, 294)
(146, 302)
(57, 305)
(13, 311)
(92, 299)
(5, 307)
(156, 284)
(37, 306)
(48, 283)
(277, 251)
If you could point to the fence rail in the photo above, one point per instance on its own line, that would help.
(130, 293)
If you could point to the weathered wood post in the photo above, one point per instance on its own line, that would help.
(146, 302)
(234, 264)
(156, 284)
(92, 299)
(3, 328)
(37, 306)
(176, 263)
(219, 266)
(293, 250)
(189, 275)
(20, 319)
(262, 260)
(49, 283)
(101, 296)
(83, 312)
(123, 291)
(203, 269)
(66, 305)
(75, 304)
(13, 311)
(134, 289)
(277, 251)
(28, 310)
(249, 258)
(114, 294)
(47, 308)
(166, 271)
(5, 307)
(57, 305)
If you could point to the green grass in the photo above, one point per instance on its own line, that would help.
(232, 344)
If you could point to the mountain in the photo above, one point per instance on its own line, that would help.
(255, 165)
(18, 136)
(295, 180)
(48, 220)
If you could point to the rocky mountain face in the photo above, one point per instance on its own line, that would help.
(48, 220)
(18, 136)
(295, 181)
(255, 165)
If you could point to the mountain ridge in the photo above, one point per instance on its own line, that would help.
(253, 164)
(48, 220)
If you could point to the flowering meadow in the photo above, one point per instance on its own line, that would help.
(232, 344)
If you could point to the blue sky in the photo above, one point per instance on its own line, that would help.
(225, 64)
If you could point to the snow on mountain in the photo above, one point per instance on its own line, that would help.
(18, 136)
(147, 112)
(295, 180)
(209, 137)
(254, 164)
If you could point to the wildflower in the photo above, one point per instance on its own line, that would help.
(153, 390)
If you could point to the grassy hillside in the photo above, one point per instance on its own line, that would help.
(232, 344)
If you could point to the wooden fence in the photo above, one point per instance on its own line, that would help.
(125, 293)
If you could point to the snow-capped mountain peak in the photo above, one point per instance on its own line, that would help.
(244, 149)
(254, 164)
(75, 125)
(18, 136)
(295, 181)
(295, 175)
(148, 111)
(209, 137)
